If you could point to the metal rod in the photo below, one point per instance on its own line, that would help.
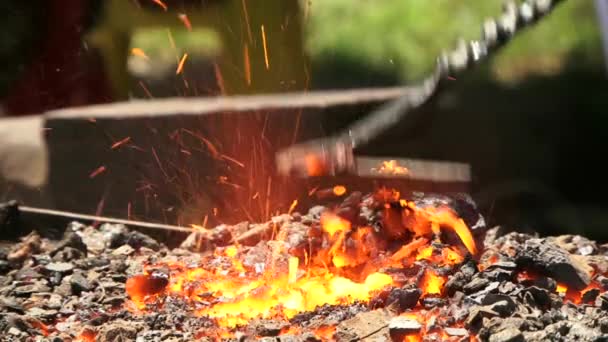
(103, 219)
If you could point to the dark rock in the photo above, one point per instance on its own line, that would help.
(431, 302)
(554, 261)
(476, 315)
(138, 240)
(68, 254)
(536, 296)
(79, 283)
(590, 295)
(602, 301)
(475, 285)
(507, 335)
(70, 239)
(405, 298)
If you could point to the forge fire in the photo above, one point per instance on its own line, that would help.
(363, 267)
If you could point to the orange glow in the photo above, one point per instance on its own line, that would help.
(333, 224)
(314, 165)
(431, 283)
(429, 220)
(161, 4)
(391, 167)
(561, 288)
(139, 53)
(184, 19)
(344, 265)
(180, 66)
(87, 335)
(142, 286)
(426, 253)
(293, 269)
(339, 190)
(265, 48)
(293, 206)
(325, 333)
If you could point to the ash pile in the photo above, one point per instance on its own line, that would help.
(373, 267)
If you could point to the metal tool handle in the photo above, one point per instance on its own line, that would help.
(335, 154)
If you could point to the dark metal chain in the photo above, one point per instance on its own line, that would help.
(335, 154)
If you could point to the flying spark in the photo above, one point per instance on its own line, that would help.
(180, 66)
(120, 143)
(265, 48)
(139, 53)
(97, 172)
(161, 4)
(184, 18)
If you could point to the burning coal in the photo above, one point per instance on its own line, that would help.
(377, 266)
(352, 254)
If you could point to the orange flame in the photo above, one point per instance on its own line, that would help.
(431, 283)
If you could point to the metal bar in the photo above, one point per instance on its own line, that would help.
(102, 219)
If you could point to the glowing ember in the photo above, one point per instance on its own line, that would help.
(139, 53)
(391, 167)
(431, 283)
(339, 190)
(342, 267)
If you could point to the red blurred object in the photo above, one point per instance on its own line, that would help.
(63, 71)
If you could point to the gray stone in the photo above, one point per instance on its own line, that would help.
(123, 250)
(507, 335)
(456, 331)
(404, 325)
(61, 267)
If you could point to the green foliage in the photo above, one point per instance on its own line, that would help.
(405, 36)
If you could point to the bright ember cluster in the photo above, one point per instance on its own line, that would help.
(352, 253)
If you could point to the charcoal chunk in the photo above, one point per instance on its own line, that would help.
(405, 298)
(590, 295)
(476, 284)
(554, 261)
